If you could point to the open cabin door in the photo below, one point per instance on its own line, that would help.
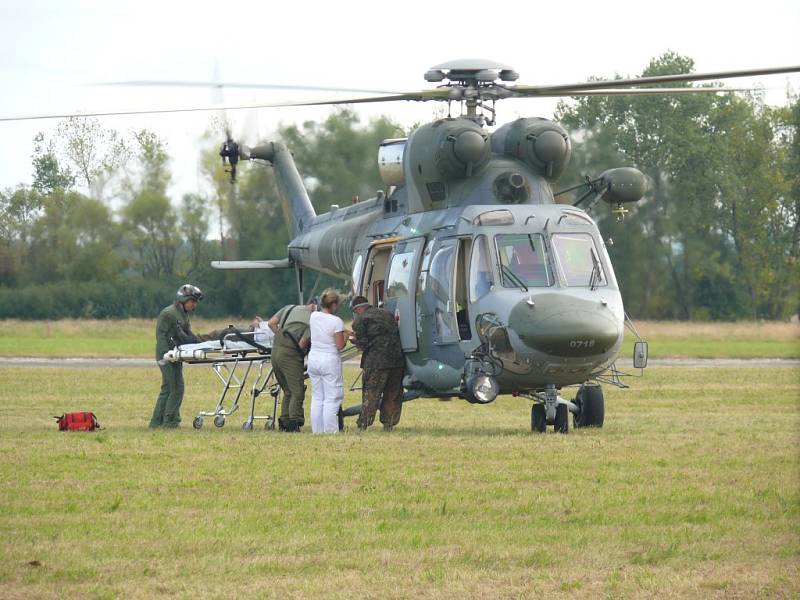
(401, 288)
(372, 285)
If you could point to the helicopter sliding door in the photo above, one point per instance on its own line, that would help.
(400, 289)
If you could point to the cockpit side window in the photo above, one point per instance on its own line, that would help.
(480, 274)
(578, 260)
(523, 259)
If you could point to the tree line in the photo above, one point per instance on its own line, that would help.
(98, 234)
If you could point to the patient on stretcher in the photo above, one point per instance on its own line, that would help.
(224, 342)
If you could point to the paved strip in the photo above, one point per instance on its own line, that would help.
(126, 363)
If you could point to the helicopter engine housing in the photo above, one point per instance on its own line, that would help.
(542, 144)
(447, 150)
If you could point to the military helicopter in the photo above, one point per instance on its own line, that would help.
(496, 287)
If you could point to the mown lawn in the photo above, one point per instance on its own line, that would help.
(134, 338)
(692, 490)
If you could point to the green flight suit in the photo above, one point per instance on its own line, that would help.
(172, 328)
(287, 363)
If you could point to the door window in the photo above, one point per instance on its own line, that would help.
(480, 274)
(398, 283)
(440, 282)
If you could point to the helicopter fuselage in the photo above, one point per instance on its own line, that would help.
(524, 291)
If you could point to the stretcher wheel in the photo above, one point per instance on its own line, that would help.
(269, 425)
(219, 421)
(197, 423)
(247, 425)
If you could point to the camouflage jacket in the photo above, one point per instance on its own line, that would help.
(172, 328)
(378, 338)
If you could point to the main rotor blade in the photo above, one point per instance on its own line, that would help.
(437, 94)
(242, 85)
(569, 89)
(639, 92)
(151, 111)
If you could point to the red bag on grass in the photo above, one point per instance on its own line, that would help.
(77, 421)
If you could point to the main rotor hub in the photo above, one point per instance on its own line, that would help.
(471, 72)
(473, 81)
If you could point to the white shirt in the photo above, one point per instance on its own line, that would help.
(324, 328)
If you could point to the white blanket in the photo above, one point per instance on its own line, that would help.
(201, 350)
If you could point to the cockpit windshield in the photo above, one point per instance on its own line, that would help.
(578, 260)
(523, 261)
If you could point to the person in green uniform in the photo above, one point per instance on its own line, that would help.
(289, 347)
(172, 329)
(377, 336)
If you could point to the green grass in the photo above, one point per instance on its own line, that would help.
(134, 338)
(691, 490)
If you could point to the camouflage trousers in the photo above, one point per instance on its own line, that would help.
(381, 388)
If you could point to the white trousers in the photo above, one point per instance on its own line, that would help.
(327, 391)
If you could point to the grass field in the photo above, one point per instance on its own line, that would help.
(692, 490)
(134, 338)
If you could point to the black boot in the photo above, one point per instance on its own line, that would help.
(282, 424)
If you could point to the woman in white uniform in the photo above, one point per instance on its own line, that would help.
(324, 365)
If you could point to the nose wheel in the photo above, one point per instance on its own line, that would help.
(539, 419)
(549, 408)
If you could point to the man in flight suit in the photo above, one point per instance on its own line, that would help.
(291, 344)
(172, 329)
(377, 335)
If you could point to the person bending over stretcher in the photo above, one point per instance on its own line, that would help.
(289, 347)
(172, 329)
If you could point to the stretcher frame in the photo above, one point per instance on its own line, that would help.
(228, 364)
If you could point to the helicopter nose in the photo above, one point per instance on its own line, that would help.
(565, 327)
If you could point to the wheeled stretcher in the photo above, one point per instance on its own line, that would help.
(233, 358)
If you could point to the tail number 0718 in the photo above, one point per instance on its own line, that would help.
(581, 343)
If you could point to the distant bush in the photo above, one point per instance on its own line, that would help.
(97, 300)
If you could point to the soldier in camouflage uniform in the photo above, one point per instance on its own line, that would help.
(377, 335)
(173, 328)
(291, 343)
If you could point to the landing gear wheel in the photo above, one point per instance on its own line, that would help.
(591, 407)
(538, 418)
(219, 421)
(247, 425)
(197, 423)
(561, 424)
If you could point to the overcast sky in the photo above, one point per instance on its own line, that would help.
(51, 50)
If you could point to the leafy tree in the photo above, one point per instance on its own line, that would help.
(194, 227)
(338, 158)
(48, 172)
(149, 218)
(94, 154)
(702, 233)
